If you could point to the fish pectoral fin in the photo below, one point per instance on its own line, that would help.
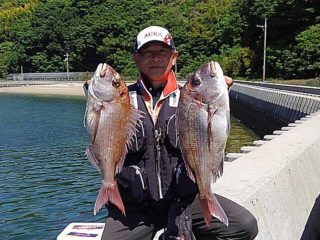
(109, 192)
(93, 160)
(211, 113)
(217, 173)
(228, 124)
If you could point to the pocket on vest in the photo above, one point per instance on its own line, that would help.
(171, 138)
(133, 184)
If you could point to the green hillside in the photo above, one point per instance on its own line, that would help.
(36, 34)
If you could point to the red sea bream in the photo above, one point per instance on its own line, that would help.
(111, 122)
(203, 122)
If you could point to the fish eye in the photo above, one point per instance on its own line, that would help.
(196, 81)
(115, 83)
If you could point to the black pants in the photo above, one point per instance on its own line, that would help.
(143, 223)
(312, 228)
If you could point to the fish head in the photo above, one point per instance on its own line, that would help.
(107, 83)
(207, 83)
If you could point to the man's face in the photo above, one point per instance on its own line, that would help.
(155, 60)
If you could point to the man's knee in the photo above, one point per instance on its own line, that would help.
(250, 226)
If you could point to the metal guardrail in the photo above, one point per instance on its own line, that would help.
(285, 87)
(50, 76)
(33, 83)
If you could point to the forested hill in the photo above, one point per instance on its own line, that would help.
(36, 34)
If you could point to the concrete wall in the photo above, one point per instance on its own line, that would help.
(294, 88)
(279, 180)
(264, 109)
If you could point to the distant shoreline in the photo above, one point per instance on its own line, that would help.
(71, 88)
(58, 88)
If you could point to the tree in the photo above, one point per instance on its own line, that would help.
(308, 51)
(37, 34)
(8, 57)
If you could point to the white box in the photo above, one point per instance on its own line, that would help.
(82, 231)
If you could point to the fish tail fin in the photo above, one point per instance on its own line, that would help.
(205, 211)
(214, 209)
(109, 192)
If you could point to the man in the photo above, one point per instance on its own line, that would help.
(153, 183)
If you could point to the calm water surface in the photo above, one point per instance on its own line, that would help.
(46, 182)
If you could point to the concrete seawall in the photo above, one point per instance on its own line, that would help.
(264, 109)
(286, 87)
(278, 180)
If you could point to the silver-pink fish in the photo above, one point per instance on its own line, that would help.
(111, 122)
(203, 122)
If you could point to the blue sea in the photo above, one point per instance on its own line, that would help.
(46, 181)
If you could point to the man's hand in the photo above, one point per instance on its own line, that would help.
(229, 81)
(179, 225)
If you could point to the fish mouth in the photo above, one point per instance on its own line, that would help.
(104, 69)
(116, 81)
(111, 75)
(212, 68)
(106, 84)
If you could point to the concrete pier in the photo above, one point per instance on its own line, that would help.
(267, 109)
(277, 179)
(278, 182)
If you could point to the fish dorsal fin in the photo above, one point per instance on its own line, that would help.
(131, 129)
(136, 116)
(121, 161)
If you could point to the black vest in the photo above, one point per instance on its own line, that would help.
(154, 157)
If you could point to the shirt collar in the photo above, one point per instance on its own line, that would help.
(170, 87)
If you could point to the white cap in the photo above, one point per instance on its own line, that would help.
(154, 33)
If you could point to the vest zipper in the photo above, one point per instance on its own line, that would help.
(158, 138)
(138, 172)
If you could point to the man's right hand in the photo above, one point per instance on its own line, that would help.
(229, 81)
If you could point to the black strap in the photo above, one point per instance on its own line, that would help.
(179, 224)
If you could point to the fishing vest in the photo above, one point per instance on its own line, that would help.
(153, 168)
